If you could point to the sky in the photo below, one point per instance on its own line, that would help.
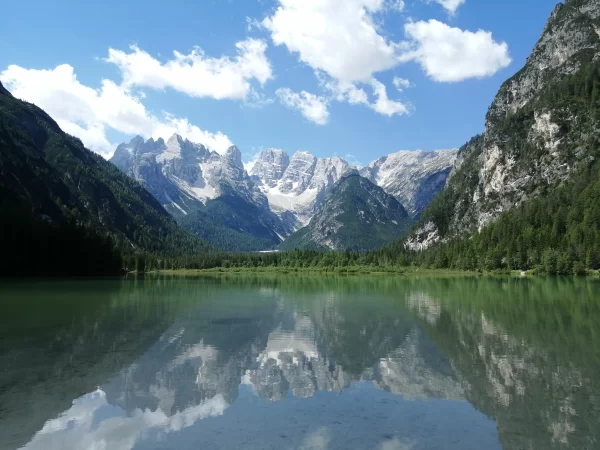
(355, 78)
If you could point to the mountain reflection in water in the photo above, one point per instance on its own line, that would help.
(306, 363)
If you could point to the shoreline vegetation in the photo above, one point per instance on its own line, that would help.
(346, 271)
(320, 271)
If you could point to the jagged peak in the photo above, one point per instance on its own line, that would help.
(176, 138)
(234, 155)
(136, 141)
(337, 158)
(302, 154)
(271, 153)
(279, 151)
(555, 11)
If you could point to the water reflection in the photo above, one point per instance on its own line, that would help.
(315, 363)
(526, 354)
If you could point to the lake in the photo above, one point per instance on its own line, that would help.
(299, 362)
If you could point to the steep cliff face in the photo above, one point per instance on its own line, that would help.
(537, 129)
(357, 215)
(270, 166)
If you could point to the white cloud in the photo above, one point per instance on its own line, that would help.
(88, 113)
(196, 74)
(450, 5)
(401, 83)
(449, 54)
(312, 107)
(342, 91)
(342, 42)
(397, 5)
(92, 422)
(349, 92)
(337, 37)
(383, 105)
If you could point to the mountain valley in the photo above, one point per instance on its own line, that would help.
(522, 195)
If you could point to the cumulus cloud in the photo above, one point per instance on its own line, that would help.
(337, 37)
(342, 42)
(449, 54)
(351, 93)
(396, 5)
(89, 113)
(196, 74)
(383, 105)
(311, 106)
(342, 91)
(316, 108)
(450, 5)
(401, 83)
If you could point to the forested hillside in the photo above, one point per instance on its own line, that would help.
(357, 215)
(65, 207)
(558, 229)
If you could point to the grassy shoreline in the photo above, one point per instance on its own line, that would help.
(327, 271)
(401, 271)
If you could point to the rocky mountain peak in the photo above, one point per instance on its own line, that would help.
(234, 156)
(270, 166)
(536, 131)
(138, 141)
(175, 139)
(298, 173)
(571, 29)
(413, 177)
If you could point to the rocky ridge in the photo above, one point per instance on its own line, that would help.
(357, 215)
(530, 142)
(413, 177)
(282, 193)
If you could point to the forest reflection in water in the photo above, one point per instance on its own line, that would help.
(300, 362)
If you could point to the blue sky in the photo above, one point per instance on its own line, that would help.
(314, 75)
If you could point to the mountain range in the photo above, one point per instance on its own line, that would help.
(523, 194)
(260, 205)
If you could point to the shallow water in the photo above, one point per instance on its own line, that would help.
(289, 362)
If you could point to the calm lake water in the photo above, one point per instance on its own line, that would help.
(382, 363)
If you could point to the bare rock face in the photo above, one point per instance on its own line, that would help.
(270, 166)
(299, 186)
(570, 30)
(529, 142)
(413, 177)
(183, 176)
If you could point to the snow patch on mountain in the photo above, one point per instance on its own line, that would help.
(296, 185)
(183, 175)
(413, 177)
